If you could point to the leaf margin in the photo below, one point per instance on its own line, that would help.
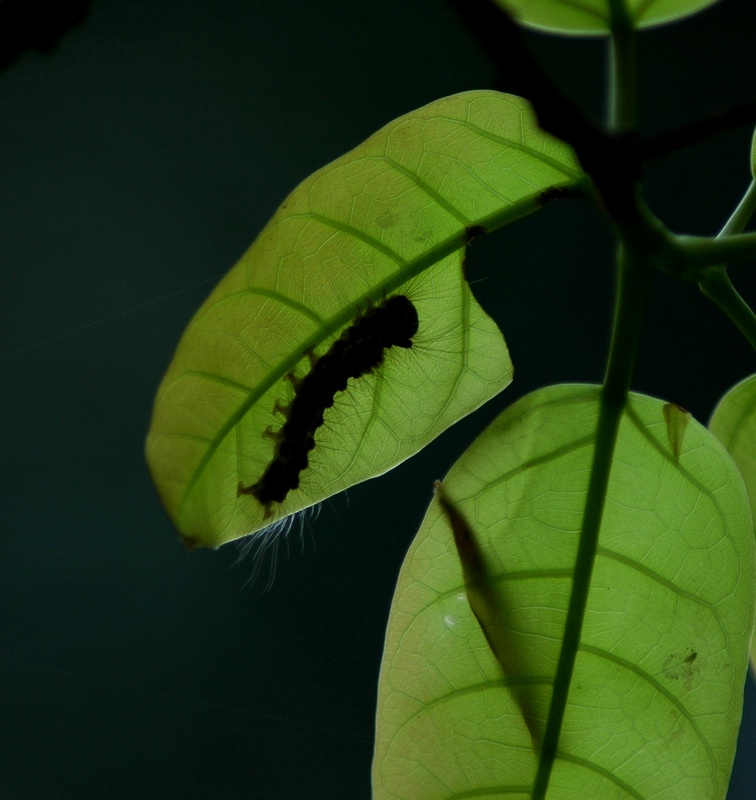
(452, 246)
(408, 612)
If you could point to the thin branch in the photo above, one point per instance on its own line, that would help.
(665, 143)
(741, 216)
(717, 287)
(691, 254)
(623, 74)
(715, 283)
(611, 160)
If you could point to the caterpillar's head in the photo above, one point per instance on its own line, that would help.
(400, 320)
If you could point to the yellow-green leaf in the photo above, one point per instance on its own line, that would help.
(734, 424)
(656, 694)
(391, 217)
(591, 17)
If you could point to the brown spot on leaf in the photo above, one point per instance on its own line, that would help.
(387, 220)
(682, 666)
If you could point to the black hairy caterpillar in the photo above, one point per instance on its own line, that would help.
(357, 352)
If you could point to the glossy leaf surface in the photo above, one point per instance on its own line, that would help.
(591, 17)
(391, 217)
(656, 694)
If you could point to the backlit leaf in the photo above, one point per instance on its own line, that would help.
(591, 17)
(656, 694)
(391, 217)
(734, 424)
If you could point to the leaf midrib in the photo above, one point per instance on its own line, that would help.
(456, 242)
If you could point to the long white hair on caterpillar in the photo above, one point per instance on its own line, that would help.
(264, 545)
(403, 330)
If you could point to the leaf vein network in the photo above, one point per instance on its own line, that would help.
(430, 192)
(356, 233)
(520, 146)
(285, 300)
(651, 681)
(215, 378)
(605, 773)
(475, 688)
(654, 576)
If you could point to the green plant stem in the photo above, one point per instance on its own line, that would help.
(717, 287)
(696, 252)
(634, 275)
(742, 214)
(633, 284)
(716, 284)
(623, 57)
(679, 138)
(688, 256)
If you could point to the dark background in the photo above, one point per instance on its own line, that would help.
(138, 160)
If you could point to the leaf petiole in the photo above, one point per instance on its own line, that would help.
(742, 214)
(716, 284)
(623, 71)
(688, 255)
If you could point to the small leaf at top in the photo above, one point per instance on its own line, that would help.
(392, 217)
(656, 694)
(591, 17)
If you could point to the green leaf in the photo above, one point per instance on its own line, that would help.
(391, 217)
(656, 694)
(591, 17)
(734, 424)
